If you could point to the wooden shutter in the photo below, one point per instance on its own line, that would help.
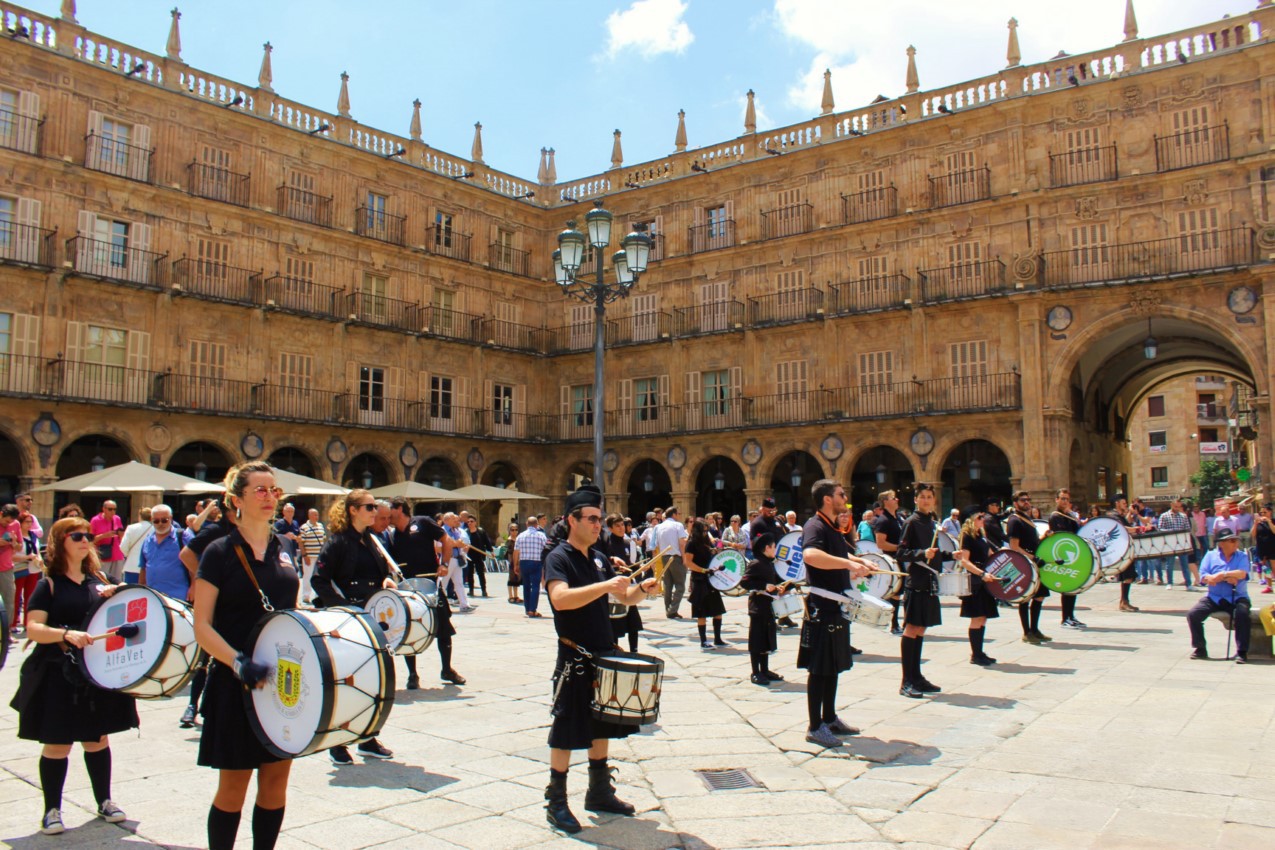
(394, 383)
(139, 262)
(74, 342)
(520, 398)
(736, 381)
(422, 383)
(664, 386)
(489, 397)
(95, 123)
(28, 106)
(625, 400)
(693, 386)
(566, 399)
(27, 247)
(139, 350)
(352, 368)
(26, 335)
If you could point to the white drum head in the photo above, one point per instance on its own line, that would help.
(389, 611)
(1112, 540)
(867, 547)
(116, 663)
(788, 558)
(292, 705)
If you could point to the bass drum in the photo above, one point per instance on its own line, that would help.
(725, 571)
(1068, 563)
(880, 585)
(1112, 542)
(152, 664)
(1019, 579)
(406, 618)
(331, 681)
(788, 560)
(867, 547)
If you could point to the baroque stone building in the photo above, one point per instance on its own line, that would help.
(953, 285)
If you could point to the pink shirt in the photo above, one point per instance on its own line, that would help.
(14, 530)
(101, 525)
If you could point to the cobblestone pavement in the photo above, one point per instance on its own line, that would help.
(1105, 738)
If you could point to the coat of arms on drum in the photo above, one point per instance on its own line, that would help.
(288, 679)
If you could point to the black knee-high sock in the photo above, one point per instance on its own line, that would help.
(445, 652)
(717, 629)
(916, 656)
(703, 633)
(829, 707)
(1068, 608)
(633, 640)
(974, 642)
(98, 765)
(222, 827)
(197, 684)
(1037, 605)
(815, 687)
(52, 779)
(410, 660)
(906, 645)
(1024, 618)
(265, 827)
(894, 614)
(1124, 591)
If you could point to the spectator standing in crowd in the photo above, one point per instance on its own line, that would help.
(160, 561)
(287, 524)
(131, 544)
(25, 503)
(27, 570)
(480, 544)
(528, 555)
(1225, 520)
(310, 538)
(511, 559)
(1176, 519)
(1264, 542)
(671, 537)
(1244, 525)
(864, 530)
(734, 537)
(10, 547)
(952, 525)
(72, 510)
(791, 522)
(108, 530)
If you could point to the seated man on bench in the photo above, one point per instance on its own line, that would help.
(1224, 571)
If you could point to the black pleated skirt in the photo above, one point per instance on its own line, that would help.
(921, 608)
(574, 727)
(227, 741)
(629, 624)
(825, 640)
(762, 637)
(57, 710)
(979, 603)
(706, 600)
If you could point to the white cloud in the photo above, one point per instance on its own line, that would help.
(650, 27)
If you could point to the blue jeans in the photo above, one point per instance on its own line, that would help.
(530, 584)
(1184, 562)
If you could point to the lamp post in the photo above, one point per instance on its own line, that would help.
(629, 264)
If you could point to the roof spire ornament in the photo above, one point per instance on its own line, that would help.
(1012, 54)
(679, 141)
(542, 175)
(476, 152)
(265, 76)
(414, 129)
(343, 99)
(750, 114)
(68, 11)
(827, 104)
(175, 37)
(1130, 22)
(913, 81)
(617, 154)
(553, 168)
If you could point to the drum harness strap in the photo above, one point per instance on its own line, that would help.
(265, 600)
(578, 668)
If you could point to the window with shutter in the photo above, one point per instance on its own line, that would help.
(19, 352)
(293, 395)
(788, 294)
(443, 318)
(872, 284)
(645, 319)
(1090, 253)
(714, 306)
(8, 118)
(442, 400)
(582, 406)
(298, 280)
(790, 381)
(717, 393)
(301, 202)
(876, 372)
(443, 235)
(203, 388)
(212, 259)
(964, 261)
(968, 364)
(654, 228)
(647, 391)
(373, 297)
(580, 326)
(718, 227)
(213, 175)
(502, 405)
(113, 147)
(8, 227)
(1198, 236)
(371, 394)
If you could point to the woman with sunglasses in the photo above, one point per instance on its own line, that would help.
(980, 606)
(348, 571)
(56, 705)
(238, 574)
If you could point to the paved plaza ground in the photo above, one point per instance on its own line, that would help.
(1106, 738)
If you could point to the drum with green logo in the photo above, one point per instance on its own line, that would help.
(1068, 563)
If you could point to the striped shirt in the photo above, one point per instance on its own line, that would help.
(313, 536)
(531, 545)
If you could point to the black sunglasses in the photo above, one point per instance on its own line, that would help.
(80, 536)
(367, 506)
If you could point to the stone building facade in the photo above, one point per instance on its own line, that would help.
(954, 285)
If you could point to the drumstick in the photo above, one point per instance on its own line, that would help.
(395, 573)
(888, 573)
(128, 630)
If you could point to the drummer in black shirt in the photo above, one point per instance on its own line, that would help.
(349, 569)
(767, 522)
(616, 547)
(1024, 539)
(1062, 520)
(919, 555)
(825, 635)
(761, 578)
(706, 600)
(578, 581)
(887, 529)
(215, 527)
(1120, 513)
(980, 606)
(412, 543)
(238, 576)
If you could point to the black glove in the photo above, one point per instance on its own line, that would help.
(250, 672)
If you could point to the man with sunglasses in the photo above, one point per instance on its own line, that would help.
(160, 561)
(1025, 539)
(1063, 520)
(107, 530)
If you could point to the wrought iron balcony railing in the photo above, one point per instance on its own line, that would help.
(373, 309)
(450, 324)
(1193, 253)
(510, 335)
(20, 132)
(960, 187)
(869, 294)
(870, 205)
(712, 318)
(218, 184)
(26, 245)
(787, 221)
(446, 242)
(1198, 146)
(710, 237)
(217, 281)
(962, 280)
(209, 395)
(1084, 165)
(506, 259)
(378, 224)
(639, 328)
(102, 153)
(783, 308)
(116, 261)
(294, 295)
(300, 205)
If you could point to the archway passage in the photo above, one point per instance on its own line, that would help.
(649, 487)
(292, 459)
(442, 473)
(790, 483)
(89, 453)
(973, 472)
(576, 475)
(367, 471)
(11, 470)
(878, 469)
(496, 515)
(204, 461)
(720, 487)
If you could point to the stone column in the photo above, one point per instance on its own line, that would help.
(1032, 468)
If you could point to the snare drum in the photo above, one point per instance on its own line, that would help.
(426, 587)
(880, 585)
(331, 683)
(955, 583)
(406, 617)
(1113, 542)
(867, 547)
(154, 663)
(725, 570)
(1068, 563)
(626, 688)
(1161, 544)
(947, 545)
(1019, 579)
(788, 560)
(790, 604)
(867, 609)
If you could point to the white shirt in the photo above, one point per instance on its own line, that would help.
(131, 544)
(666, 536)
(953, 527)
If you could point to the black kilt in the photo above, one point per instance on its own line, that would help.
(921, 608)
(979, 603)
(629, 624)
(1129, 573)
(227, 741)
(706, 601)
(825, 639)
(55, 710)
(574, 727)
(762, 636)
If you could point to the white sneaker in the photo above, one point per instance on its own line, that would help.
(52, 824)
(110, 812)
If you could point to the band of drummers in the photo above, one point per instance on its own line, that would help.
(288, 638)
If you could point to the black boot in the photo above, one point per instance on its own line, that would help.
(601, 794)
(907, 689)
(919, 681)
(556, 810)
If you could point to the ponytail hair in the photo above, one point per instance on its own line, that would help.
(339, 513)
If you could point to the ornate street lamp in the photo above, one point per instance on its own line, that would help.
(1150, 347)
(629, 264)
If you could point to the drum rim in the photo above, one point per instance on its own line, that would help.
(167, 641)
(397, 592)
(380, 706)
(1032, 587)
(623, 665)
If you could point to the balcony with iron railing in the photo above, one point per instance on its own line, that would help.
(217, 282)
(960, 187)
(785, 308)
(380, 225)
(643, 421)
(566, 339)
(372, 309)
(713, 318)
(639, 328)
(718, 414)
(303, 297)
(508, 335)
(300, 205)
(1084, 165)
(26, 245)
(214, 396)
(1210, 413)
(787, 221)
(658, 250)
(568, 427)
(446, 242)
(444, 418)
(971, 394)
(870, 205)
(870, 294)
(116, 261)
(25, 375)
(102, 383)
(445, 323)
(503, 258)
(509, 425)
(302, 404)
(374, 410)
(962, 280)
(1198, 146)
(105, 154)
(20, 132)
(218, 184)
(711, 237)
(1176, 256)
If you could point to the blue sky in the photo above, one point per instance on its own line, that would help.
(566, 73)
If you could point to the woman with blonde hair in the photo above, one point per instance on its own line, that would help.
(57, 706)
(980, 605)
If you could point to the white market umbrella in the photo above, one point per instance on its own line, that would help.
(415, 491)
(131, 477)
(487, 493)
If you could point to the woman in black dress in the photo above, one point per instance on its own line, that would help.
(239, 576)
(617, 546)
(56, 705)
(706, 600)
(761, 578)
(1264, 542)
(980, 606)
(918, 553)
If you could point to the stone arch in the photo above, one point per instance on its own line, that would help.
(369, 463)
(787, 497)
(295, 459)
(575, 475)
(972, 472)
(502, 473)
(26, 459)
(729, 497)
(106, 431)
(877, 468)
(648, 486)
(440, 471)
(212, 453)
(76, 459)
(13, 466)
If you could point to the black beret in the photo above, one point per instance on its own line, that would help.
(588, 496)
(762, 540)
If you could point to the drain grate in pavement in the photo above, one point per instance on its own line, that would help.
(727, 779)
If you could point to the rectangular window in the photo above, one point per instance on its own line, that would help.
(207, 359)
(105, 356)
(1090, 253)
(114, 146)
(213, 177)
(502, 404)
(714, 306)
(876, 371)
(648, 399)
(445, 321)
(582, 405)
(788, 286)
(295, 370)
(1155, 405)
(503, 250)
(790, 384)
(1209, 435)
(964, 260)
(212, 256)
(440, 397)
(1158, 441)
(111, 248)
(716, 221)
(371, 389)
(298, 281)
(376, 223)
(717, 392)
(1103, 483)
(1198, 236)
(645, 318)
(1159, 476)
(443, 229)
(968, 361)
(6, 333)
(373, 291)
(8, 220)
(579, 326)
(8, 117)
